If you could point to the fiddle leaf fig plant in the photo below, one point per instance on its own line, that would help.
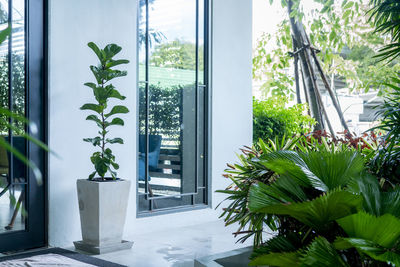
(104, 114)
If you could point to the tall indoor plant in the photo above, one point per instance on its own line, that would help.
(103, 200)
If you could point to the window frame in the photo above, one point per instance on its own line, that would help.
(207, 113)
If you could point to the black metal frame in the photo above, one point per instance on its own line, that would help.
(35, 233)
(207, 120)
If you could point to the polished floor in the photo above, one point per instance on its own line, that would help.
(177, 247)
(6, 211)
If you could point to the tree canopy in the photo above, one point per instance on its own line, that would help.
(348, 42)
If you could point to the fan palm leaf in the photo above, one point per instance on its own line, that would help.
(316, 213)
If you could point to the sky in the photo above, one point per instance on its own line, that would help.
(266, 17)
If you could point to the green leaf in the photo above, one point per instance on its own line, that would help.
(91, 176)
(318, 212)
(283, 190)
(100, 164)
(94, 107)
(22, 158)
(277, 259)
(111, 74)
(95, 119)
(115, 121)
(115, 165)
(383, 230)
(369, 248)
(116, 94)
(117, 110)
(97, 51)
(4, 34)
(91, 85)
(96, 141)
(322, 253)
(111, 50)
(116, 140)
(113, 63)
(99, 74)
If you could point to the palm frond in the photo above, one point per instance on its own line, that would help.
(322, 253)
(277, 259)
(316, 213)
(383, 230)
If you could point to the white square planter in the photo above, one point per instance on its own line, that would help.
(102, 208)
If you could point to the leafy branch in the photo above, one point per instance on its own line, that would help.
(103, 91)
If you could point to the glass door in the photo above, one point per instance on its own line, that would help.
(22, 197)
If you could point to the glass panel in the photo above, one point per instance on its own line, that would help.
(4, 97)
(142, 40)
(172, 76)
(201, 42)
(12, 210)
(171, 87)
(13, 172)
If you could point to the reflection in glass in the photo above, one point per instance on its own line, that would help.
(170, 68)
(13, 172)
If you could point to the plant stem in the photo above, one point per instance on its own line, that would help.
(103, 133)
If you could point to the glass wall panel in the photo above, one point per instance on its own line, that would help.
(171, 126)
(13, 173)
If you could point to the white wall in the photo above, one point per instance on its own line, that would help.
(73, 23)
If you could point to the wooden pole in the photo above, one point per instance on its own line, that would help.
(331, 94)
(296, 70)
(310, 87)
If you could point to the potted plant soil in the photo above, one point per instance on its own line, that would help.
(103, 197)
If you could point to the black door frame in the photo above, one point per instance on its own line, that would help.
(35, 234)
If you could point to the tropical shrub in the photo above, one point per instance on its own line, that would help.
(104, 116)
(249, 171)
(272, 118)
(329, 212)
(386, 163)
(243, 175)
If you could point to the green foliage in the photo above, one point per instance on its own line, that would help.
(271, 118)
(387, 162)
(271, 65)
(164, 110)
(327, 213)
(176, 54)
(315, 194)
(385, 15)
(18, 88)
(346, 38)
(104, 160)
(304, 189)
(243, 175)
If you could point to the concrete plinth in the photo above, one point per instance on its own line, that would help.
(92, 249)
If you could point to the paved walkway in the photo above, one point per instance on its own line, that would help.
(177, 247)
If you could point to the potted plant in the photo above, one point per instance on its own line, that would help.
(103, 199)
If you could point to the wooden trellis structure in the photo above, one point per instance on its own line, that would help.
(305, 54)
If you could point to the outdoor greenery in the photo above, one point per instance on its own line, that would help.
(176, 54)
(103, 91)
(15, 120)
(272, 118)
(313, 193)
(18, 76)
(348, 42)
(385, 15)
(164, 110)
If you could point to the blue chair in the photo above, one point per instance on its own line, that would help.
(153, 154)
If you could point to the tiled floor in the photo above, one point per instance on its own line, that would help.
(178, 247)
(6, 211)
